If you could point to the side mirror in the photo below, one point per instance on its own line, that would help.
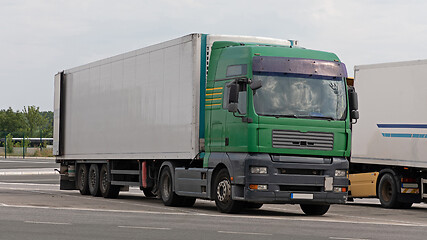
(256, 85)
(352, 97)
(234, 93)
(232, 107)
(354, 114)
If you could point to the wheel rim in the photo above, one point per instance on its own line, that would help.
(92, 178)
(104, 180)
(386, 191)
(223, 190)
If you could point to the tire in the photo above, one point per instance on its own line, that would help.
(253, 205)
(223, 198)
(107, 190)
(314, 210)
(82, 179)
(93, 180)
(387, 191)
(167, 194)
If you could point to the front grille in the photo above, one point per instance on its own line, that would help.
(303, 140)
(300, 171)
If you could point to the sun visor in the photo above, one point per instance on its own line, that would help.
(299, 66)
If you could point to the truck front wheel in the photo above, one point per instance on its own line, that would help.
(82, 179)
(387, 191)
(314, 210)
(94, 180)
(223, 198)
(107, 190)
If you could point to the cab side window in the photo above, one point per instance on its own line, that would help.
(242, 105)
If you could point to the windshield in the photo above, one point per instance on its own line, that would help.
(300, 96)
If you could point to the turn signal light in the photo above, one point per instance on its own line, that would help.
(340, 189)
(258, 187)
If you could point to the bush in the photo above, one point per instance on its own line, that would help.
(9, 143)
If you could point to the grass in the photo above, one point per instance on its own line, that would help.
(45, 152)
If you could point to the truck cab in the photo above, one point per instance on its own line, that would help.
(277, 118)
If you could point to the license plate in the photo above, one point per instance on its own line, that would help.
(301, 196)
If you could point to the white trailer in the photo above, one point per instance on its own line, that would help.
(389, 152)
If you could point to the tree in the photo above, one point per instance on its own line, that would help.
(34, 120)
(11, 122)
(47, 129)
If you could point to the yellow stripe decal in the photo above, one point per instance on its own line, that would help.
(212, 89)
(210, 105)
(410, 190)
(213, 99)
(211, 94)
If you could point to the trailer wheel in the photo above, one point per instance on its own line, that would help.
(314, 210)
(387, 191)
(107, 190)
(223, 198)
(82, 179)
(94, 180)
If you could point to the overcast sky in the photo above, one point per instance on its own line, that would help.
(39, 38)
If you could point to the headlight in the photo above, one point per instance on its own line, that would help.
(258, 170)
(340, 173)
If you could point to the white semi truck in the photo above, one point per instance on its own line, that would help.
(389, 152)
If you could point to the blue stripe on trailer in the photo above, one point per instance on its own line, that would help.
(404, 135)
(402, 125)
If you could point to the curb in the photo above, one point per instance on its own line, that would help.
(19, 172)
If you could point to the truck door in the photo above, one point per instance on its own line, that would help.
(236, 125)
(214, 101)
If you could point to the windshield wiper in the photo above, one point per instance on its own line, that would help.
(315, 117)
(298, 116)
(279, 116)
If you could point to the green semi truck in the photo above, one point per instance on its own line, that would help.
(239, 120)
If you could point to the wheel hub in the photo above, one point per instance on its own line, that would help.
(104, 180)
(223, 190)
(92, 178)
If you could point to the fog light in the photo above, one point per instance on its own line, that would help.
(259, 170)
(340, 173)
(258, 187)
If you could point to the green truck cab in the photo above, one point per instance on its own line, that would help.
(278, 119)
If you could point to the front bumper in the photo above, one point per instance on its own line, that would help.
(293, 180)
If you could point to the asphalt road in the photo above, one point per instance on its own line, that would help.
(33, 207)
